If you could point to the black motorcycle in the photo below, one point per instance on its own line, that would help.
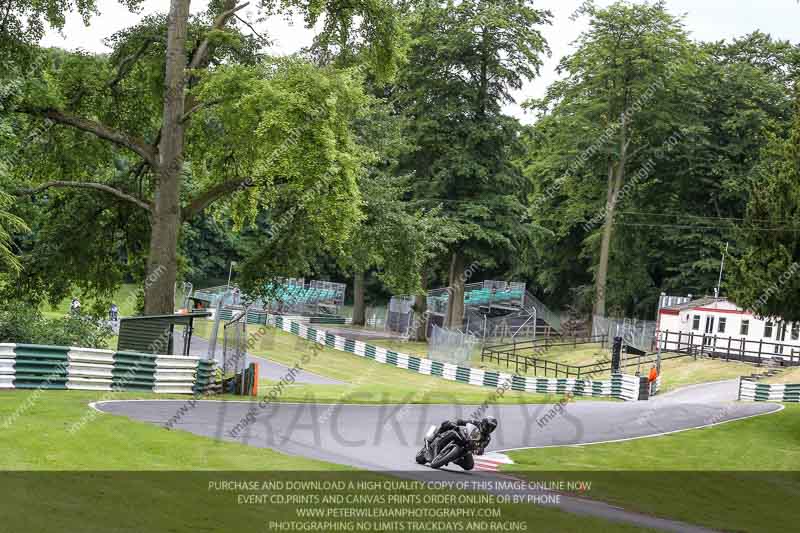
(466, 441)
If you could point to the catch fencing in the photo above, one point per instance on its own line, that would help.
(234, 345)
(450, 346)
(640, 334)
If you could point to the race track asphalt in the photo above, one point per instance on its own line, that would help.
(385, 438)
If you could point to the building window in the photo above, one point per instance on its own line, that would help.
(768, 330)
(795, 331)
(745, 328)
(721, 325)
(696, 322)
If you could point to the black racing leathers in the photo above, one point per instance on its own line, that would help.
(447, 434)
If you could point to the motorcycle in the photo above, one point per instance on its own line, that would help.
(467, 439)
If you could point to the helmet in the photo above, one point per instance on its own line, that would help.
(488, 424)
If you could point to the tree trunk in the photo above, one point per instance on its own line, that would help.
(455, 307)
(616, 177)
(420, 332)
(162, 267)
(359, 316)
(605, 245)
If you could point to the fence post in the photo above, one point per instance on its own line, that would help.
(739, 392)
(760, 343)
(616, 353)
(728, 353)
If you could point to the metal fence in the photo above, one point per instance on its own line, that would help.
(640, 334)
(518, 325)
(234, 345)
(400, 315)
(451, 346)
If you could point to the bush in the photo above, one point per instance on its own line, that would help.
(24, 324)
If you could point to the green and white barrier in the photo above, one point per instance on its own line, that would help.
(768, 392)
(26, 366)
(619, 386)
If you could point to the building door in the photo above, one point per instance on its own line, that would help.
(780, 338)
(709, 331)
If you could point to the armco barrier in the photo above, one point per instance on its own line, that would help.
(768, 392)
(26, 366)
(619, 386)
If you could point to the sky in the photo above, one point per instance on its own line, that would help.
(706, 20)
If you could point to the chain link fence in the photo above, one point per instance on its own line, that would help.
(234, 345)
(640, 334)
(400, 316)
(453, 347)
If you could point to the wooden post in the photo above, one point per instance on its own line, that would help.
(728, 353)
(760, 343)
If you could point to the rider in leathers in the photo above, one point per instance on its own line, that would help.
(486, 426)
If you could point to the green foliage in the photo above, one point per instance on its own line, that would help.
(9, 224)
(464, 59)
(23, 324)
(766, 274)
(284, 126)
(718, 100)
(368, 28)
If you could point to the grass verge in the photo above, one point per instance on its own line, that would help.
(367, 381)
(736, 476)
(105, 477)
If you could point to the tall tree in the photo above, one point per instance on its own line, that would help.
(732, 94)
(766, 274)
(190, 96)
(617, 102)
(465, 59)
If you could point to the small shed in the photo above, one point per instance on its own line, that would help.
(154, 334)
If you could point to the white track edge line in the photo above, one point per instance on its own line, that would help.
(781, 407)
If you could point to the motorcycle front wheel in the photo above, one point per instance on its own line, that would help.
(447, 456)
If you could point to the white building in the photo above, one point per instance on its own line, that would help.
(718, 326)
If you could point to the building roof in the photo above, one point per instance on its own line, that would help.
(698, 302)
